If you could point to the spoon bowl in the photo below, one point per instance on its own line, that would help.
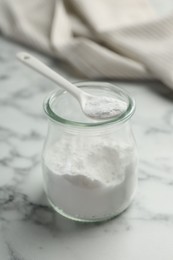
(102, 107)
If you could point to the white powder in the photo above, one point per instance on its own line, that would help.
(104, 107)
(92, 182)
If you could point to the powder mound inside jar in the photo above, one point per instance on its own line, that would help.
(94, 181)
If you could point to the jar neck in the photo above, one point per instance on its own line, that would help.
(94, 130)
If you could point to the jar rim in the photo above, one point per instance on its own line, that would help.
(127, 114)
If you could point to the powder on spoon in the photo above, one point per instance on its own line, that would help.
(104, 107)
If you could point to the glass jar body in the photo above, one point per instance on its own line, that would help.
(88, 176)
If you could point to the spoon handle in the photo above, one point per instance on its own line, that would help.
(40, 67)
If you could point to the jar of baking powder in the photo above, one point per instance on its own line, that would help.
(89, 166)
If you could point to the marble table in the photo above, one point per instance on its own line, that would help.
(29, 228)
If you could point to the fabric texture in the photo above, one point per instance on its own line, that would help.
(101, 38)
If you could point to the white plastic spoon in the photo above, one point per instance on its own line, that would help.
(93, 106)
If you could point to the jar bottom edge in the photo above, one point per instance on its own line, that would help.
(120, 211)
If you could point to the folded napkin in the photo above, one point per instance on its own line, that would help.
(101, 38)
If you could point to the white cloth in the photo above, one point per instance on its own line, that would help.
(100, 38)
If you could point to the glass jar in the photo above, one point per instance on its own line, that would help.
(89, 166)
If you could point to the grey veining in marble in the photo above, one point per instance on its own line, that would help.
(29, 228)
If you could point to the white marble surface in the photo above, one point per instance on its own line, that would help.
(29, 229)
